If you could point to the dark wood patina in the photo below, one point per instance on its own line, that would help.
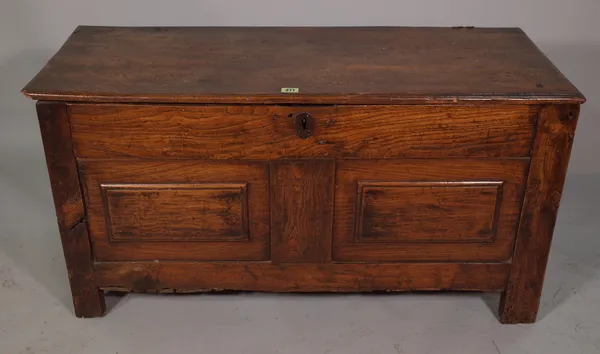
(189, 159)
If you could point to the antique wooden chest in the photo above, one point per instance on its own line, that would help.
(305, 159)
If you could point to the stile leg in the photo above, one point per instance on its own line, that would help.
(53, 117)
(552, 147)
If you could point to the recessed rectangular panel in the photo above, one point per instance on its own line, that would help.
(176, 212)
(450, 210)
(427, 211)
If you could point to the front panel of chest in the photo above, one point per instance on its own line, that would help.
(298, 184)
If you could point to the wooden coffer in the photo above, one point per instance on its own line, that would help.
(305, 159)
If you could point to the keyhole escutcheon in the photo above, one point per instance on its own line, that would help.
(304, 124)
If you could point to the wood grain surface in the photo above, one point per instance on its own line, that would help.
(298, 277)
(268, 132)
(176, 212)
(426, 159)
(335, 65)
(427, 211)
(349, 173)
(302, 210)
(175, 231)
(554, 139)
(88, 300)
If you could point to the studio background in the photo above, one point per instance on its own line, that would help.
(35, 305)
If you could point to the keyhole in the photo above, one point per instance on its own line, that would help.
(303, 125)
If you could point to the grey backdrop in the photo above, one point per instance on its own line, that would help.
(35, 304)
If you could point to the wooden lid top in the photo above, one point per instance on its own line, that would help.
(327, 65)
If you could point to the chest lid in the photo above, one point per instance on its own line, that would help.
(326, 65)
